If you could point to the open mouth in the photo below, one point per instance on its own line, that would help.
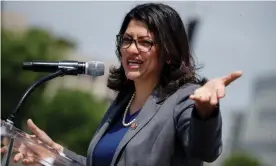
(134, 63)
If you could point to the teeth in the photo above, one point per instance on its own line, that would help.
(135, 61)
(132, 64)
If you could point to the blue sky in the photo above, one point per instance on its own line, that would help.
(232, 35)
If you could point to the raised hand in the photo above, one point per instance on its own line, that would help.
(207, 97)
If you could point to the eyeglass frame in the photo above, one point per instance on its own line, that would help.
(133, 40)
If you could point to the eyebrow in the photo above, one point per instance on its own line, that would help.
(129, 35)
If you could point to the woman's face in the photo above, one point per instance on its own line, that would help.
(140, 58)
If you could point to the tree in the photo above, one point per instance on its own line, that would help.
(241, 159)
(16, 48)
(71, 116)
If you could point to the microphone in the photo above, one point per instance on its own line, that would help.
(92, 68)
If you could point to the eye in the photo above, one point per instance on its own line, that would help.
(146, 43)
(125, 40)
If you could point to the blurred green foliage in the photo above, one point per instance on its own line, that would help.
(16, 48)
(71, 116)
(241, 159)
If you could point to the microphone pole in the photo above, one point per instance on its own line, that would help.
(10, 120)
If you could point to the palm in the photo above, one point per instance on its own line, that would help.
(208, 96)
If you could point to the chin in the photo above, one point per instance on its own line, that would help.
(132, 75)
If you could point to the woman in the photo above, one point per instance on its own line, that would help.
(163, 114)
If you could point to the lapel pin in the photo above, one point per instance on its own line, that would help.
(133, 126)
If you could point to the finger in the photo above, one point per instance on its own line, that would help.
(28, 160)
(214, 99)
(34, 129)
(17, 157)
(4, 149)
(29, 153)
(221, 92)
(202, 98)
(231, 77)
(6, 141)
(39, 133)
(34, 138)
(206, 98)
(192, 97)
(34, 149)
(195, 97)
(201, 95)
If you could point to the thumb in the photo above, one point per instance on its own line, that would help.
(34, 129)
(231, 77)
(40, 134)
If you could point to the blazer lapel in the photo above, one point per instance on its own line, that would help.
(114, 110)
(146, 114)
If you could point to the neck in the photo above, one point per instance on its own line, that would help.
(143, 90)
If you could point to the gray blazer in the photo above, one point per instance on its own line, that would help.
(168, 133)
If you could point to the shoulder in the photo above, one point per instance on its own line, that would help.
(186, 90)
(183, 103)
(182, 93)
(180, 98)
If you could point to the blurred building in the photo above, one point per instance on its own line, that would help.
(13, 21)
(254, 130)
(234, 140)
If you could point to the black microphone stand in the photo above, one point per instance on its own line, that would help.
(10, 121)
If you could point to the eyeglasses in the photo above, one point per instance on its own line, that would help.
(143, 45)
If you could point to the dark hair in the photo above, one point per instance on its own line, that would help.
(169, 32)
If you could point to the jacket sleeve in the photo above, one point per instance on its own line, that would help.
(78, 160)
(201, 138)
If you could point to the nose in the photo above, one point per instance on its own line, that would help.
(132, 49)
